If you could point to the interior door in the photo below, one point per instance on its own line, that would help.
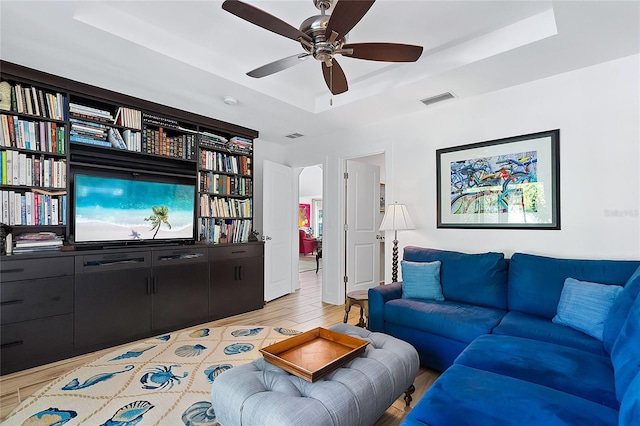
(278, 220)
(362, 211)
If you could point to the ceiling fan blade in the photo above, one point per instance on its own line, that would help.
(346, 15)
(279, 65)
(335, 78)
(263, 19)
(386, 52)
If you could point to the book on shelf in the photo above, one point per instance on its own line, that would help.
(115, 138)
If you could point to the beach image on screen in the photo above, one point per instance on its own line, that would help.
(111, 209)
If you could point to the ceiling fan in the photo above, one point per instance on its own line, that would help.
(323, 37)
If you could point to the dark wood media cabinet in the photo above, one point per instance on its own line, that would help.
(63, 304)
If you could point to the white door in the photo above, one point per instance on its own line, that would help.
(277, 225)
(363, 211)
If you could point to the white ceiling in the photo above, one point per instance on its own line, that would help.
(191, 54)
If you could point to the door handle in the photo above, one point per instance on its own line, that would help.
(266, 238)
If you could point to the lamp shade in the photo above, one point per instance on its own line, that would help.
(396, 218)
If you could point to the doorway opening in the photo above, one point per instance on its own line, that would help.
(310, 219)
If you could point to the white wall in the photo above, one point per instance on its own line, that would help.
(597, 110)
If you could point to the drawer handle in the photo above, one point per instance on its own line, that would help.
(11, 271)
(238, 251)
(180, 256)
(11, 344)
(12, 302)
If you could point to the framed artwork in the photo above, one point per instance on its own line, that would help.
(510, 183)
(304, 215)
(382, 198)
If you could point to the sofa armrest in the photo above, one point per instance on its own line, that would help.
(378, 296)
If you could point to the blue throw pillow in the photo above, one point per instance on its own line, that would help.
(421, 280)
(585, 306)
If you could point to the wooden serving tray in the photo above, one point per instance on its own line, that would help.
(315, 353)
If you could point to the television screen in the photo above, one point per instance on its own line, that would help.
(108, 209)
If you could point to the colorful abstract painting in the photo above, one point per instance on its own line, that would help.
(304, 214)
(496, 184)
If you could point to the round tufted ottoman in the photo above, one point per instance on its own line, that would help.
(358, 393)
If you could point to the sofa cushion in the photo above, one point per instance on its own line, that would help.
(566, 369)
(537, 328)
(454, 320)
(463, 396)
(535, 282)
(421, 280)
(625, 354)
(477, 279)
(585, 306)
(630, 406)
(620, 310)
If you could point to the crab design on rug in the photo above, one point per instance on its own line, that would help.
(161, 377)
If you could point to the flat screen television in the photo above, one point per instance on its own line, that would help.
(109, 209)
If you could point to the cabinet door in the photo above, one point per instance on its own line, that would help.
(237, 280)
(113, 299)
(180, 288)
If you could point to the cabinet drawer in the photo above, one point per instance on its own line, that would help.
(25, 300)
(27, 269)
(236, 252)
(179, 256)
(29, 343)
(112, 262)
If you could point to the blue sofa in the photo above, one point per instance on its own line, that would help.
(505, 360)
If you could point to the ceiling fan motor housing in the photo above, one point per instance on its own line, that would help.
(320, 48)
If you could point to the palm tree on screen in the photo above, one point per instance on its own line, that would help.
(160, 215)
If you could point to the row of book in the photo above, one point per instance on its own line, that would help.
(45, 136)
(214, 183)
(31, 100)
(37, 241)
(160, 121)
(225, 207)
(222, 162)
(88, 132)
(215, 231)
(160, 143)
(32, 208)
(128, 117)
(22, 169)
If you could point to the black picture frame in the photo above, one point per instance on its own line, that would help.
(508, 183)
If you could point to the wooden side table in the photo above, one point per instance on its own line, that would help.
(360, 298)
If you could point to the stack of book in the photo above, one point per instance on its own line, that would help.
(91, 113)
(241, 145)
(212, 140)
(37, 241)
(88, 132)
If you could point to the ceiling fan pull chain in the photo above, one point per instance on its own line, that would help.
(331, 86)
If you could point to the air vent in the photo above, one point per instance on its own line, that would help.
(438, 98)
(294, 135)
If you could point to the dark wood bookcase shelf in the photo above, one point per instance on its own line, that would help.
(54, 302)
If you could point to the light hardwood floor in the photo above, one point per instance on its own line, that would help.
(302, 310)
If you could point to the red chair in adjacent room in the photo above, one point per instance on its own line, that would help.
(307, 244)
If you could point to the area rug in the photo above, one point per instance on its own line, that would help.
(308, 263)
(161, 381)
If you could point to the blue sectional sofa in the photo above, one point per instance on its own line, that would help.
(530, 340)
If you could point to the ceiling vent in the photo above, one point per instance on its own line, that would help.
(438, 98)
(294, 135)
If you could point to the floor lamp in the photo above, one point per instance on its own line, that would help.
(396, 218)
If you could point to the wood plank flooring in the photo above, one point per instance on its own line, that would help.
(302, 310)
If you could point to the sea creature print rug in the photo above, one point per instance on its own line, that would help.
(162, 381)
